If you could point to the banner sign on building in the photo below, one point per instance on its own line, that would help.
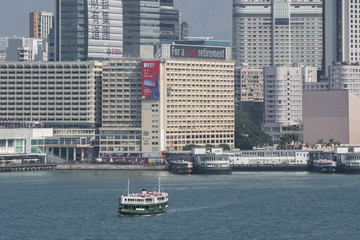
(105, 24)
(184, 51)
(151, 79)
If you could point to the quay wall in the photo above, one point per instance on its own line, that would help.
(108, 167)
(269, 168)
(26, 167)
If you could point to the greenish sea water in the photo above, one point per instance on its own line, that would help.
(257, 205)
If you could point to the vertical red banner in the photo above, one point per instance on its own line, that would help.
(151, 79)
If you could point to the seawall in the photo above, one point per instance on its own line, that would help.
(108, 167)
(268, 168)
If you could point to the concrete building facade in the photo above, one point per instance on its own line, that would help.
(341, 32)
(331, 115)
(63, 96)
(149, 106)
(249, 85)
(283, 89)
(121, 131)
(345, 77)
(278, 32)
(23, 141)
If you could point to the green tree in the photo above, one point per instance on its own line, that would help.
(247, 134)
(224, 146)
(313, 146)
(289, 139)
(321, 143)
(189, 147)
(285, 140)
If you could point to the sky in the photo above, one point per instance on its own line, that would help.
(206, 18)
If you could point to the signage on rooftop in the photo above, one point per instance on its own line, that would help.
(197, 52)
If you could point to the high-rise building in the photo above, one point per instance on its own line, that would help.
(345, 77)
(166, 104)
(62, 96)
(278, 32)
(248, 85)
(88, 30)
(148, 23)
(25, 50)
(283, 90)
(193, 99)
(249, 92)
(40, 24)
(121, 133)
(341, 32)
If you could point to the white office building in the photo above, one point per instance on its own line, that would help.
(341, 32)
(278, 32)
(283, 91)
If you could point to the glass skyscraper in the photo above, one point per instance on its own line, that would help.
(148, 23)
(88, 29)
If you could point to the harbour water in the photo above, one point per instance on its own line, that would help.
(245, 205)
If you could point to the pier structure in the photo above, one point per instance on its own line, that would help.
(26, 167)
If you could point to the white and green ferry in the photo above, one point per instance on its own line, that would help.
(143, 203)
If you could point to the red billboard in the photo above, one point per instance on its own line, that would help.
(151, 79)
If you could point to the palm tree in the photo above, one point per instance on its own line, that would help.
(328, 144)
(285, 140)
(294, 138)
(321, 143)
(331, 142)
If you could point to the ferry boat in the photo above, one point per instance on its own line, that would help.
(349, 166)
(143, 203)
(181, 167)
(324, 166)
(212, 164)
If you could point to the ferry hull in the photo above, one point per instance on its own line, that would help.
(269, 168)
(132, 210)
(353, 170)
(325, 170)
(212, 171)
(139, 213)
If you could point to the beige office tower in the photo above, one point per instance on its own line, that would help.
(188, 98)
(120, 134)
(278, 32)
(150, 106)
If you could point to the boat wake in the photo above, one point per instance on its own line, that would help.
(193, 209)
